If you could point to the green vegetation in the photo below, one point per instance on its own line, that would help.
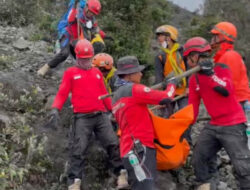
(131, 23)
(21, 155)
(5, 61)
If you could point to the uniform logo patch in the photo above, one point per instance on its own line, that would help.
(171, 91)
(147, 89)
(77, 77)
(98, 76)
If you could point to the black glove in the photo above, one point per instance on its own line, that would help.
(165, 101)
(98, 47)
(53, 119)
(206, 67)
(168, 81)
(168, 109)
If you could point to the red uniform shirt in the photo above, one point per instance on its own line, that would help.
(131, 113)
(72, 28)
(85, 86)
(233, 60)
(224, 111)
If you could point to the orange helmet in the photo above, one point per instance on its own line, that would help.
(84, 49)
(103, 60)
(226, 29)
(94, 6)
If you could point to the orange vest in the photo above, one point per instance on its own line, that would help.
(168, 70)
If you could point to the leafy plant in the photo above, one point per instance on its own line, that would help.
(21, 155)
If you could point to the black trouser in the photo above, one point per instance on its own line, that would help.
(66, 49)
(234, 140)
(149, 167)
(83, 126)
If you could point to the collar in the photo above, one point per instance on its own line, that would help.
(121, 82)
(223, 48)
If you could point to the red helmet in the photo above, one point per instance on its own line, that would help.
(196, 44)
(94, 6)
(103, 60)
(84, 49)
(226, 29)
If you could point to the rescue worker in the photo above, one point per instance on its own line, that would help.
(227, 129)
(222, 42)
(88, 29)
(89, 114)
(169, 63)
(130, 109)
(105, 63)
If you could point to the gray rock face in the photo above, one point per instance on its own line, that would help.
(4, 121)
(21, 44)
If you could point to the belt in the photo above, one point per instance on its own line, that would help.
(87, 115)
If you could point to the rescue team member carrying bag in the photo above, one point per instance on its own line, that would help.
(171, 149)
(130, 109)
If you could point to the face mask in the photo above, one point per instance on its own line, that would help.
(89, 24)
(164, 44)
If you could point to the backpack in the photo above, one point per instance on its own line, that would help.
(63, 22)
(171, 149)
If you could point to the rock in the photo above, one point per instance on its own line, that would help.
(222, 186)
(40, 47)
(49, 102)
(16, 83)
(165, 181)
(4, 120)
(21, 44)
(225, 159)
(5, 49)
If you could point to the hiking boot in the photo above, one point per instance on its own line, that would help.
(76, 185)
(122, 181)
(43, 70)
(204, 186)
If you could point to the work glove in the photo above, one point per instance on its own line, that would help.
(165, 101)
(206, 67)
(98, 47)
(168, 81)
(53, 119)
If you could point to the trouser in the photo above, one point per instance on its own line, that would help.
(82, 128)
(66, 49)
(234, 140)
(149, 167)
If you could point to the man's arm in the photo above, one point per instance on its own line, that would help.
(194, 97)
(63, 92)
(146, 95)
(72, 15)
(107, 101)
(221, 80)
(159, 68)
